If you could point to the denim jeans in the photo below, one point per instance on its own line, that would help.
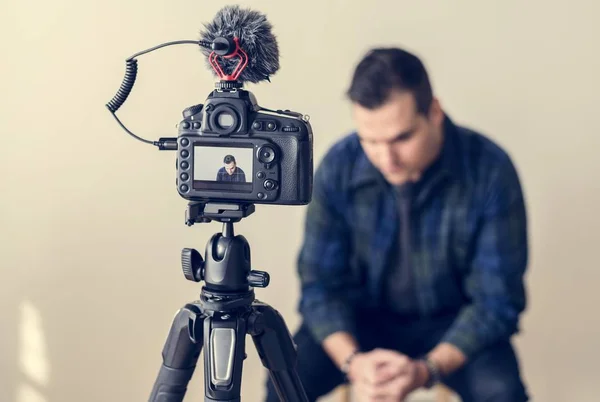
(492, 375)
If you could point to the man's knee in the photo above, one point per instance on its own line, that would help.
(317, 372)
(506, 388)
(491, 376)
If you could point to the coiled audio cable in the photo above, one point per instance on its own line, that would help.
(131, 70)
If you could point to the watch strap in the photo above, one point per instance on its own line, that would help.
(346, 365)
(435, 375)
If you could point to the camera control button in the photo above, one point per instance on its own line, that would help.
(184, 188)
(185, 142)
(196, 125)
(261, 175)
(271, 126)
(260, 195)
(185, 125)
(185, 165)
(266, 154)
(256, 125)
(185, 153)
(289, 129)
(184, 176)
(270, 184)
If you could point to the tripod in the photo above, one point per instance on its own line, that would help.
(219, 321)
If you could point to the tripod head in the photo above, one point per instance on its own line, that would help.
(226, 269)
(226, 311)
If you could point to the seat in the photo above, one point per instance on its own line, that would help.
(441, 394)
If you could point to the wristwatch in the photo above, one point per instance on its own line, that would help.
(346, 366)
(435, 376)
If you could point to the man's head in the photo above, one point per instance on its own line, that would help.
(230, 164)
(398, 119)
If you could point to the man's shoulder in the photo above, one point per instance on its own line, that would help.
(484, 160)
(340, 159)
(344, 149)
(481, 151)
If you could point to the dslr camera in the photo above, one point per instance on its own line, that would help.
(231, 150)
(231, 155)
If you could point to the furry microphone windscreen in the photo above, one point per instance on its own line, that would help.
(255, 38)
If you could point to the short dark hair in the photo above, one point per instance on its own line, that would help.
(228, 159)
(385, 69)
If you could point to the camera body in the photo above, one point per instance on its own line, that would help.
(231, 150)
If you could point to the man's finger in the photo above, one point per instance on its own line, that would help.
(386, 372)
(385, 355)
(370, 371)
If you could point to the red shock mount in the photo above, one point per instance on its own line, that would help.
(242, 63)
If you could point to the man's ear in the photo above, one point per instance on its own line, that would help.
(436, 113)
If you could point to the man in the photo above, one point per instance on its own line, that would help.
(231, 172)
(415, 249)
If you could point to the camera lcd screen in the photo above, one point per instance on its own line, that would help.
(223, 168)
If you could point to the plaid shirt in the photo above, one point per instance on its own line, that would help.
(470, 247)
(238, 175)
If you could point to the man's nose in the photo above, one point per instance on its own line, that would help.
(387, 157)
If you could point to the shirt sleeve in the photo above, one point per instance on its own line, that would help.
(495, 281)
(323, 258)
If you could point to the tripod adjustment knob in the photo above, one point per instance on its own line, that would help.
(258, 279)
(192, 264)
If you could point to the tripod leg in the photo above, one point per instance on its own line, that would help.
(224, 353)
(180, 355)
(277, 351)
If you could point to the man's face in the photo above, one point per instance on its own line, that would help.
(230, 168)
(397, 140)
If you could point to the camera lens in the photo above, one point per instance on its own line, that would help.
(266, 154)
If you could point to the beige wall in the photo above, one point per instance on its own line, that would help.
(92, 226)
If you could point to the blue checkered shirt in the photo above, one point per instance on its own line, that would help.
(238, 175)
(469, 240)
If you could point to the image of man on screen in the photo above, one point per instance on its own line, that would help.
(231, 172)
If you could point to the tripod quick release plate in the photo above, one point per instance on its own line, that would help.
(204, 212)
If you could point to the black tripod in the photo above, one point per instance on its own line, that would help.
(219, 321)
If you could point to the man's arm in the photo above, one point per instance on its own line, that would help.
(323, 265)
(494, 285)
(339, 346)
(495, 281)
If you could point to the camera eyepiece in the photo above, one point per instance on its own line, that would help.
(224, 119)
